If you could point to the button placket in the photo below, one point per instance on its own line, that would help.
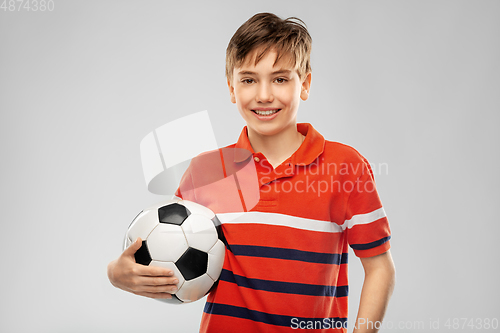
(266, 177)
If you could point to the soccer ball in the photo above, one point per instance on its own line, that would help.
(184, 237)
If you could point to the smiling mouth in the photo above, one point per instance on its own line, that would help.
(266, 112)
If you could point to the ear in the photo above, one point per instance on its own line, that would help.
(306, 87)
(231, 92)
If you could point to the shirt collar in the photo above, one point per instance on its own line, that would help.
(307, 153)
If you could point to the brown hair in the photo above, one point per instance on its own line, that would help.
(266, 31)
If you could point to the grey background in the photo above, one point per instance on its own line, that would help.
(411, 84)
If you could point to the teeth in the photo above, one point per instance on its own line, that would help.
(266, 113)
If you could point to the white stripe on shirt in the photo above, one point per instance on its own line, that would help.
(280, 220)
(364, 218)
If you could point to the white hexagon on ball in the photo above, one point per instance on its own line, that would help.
(216, 260)
(195, 289)
(167, 242)
(200, 232)
(148, 220)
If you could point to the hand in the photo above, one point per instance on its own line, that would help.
(148, 281)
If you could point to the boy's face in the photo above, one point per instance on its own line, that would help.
(268, 95)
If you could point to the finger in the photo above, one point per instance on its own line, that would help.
(154, 295)
(170, 289)
(139, 285)
(153, 271)
(129, 251)
(156, 281)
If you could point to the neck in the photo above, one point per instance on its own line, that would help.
(278, 147)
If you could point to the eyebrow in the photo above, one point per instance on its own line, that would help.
(280, 71)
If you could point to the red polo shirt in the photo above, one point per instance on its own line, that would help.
(287, 231)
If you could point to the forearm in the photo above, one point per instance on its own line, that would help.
(377, 289)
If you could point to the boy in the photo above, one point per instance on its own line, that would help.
(286, 258)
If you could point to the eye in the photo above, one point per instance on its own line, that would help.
(280, 80)
(247, 81)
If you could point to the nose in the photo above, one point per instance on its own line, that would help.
(264, 93)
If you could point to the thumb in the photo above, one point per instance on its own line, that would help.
(133, 247)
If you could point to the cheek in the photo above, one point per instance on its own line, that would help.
(242, 101)
(289, 96)
(241, 96)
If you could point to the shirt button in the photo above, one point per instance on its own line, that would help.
(256, 159)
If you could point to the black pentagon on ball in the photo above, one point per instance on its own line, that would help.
(193, 263)
(173, 214)
(142, 255)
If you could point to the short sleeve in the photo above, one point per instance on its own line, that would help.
(366, 223)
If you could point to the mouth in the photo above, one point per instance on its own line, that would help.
(266, 112)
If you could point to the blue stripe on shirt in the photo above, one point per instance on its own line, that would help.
(371, 245)
(289, 254)
(284, 287)
(272, 319)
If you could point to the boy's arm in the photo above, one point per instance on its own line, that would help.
(149, 281)
(380, 277)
